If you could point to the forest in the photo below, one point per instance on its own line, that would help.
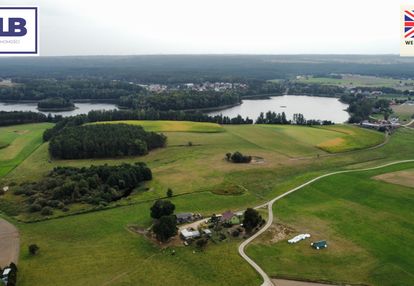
(103, 141)
(67, 88)
(199, 68)
(179, 100)
(55, 103)
(22, 117)
(95, 185)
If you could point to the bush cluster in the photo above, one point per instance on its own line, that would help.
(96, 185)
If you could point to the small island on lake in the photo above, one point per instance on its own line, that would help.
(55, 104)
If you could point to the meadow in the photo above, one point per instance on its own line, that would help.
(404, 111)
(96, 248)
(368, 225)
(354, 80)
(171, 126)
(17, 143)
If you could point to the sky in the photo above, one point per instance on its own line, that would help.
(132, 27)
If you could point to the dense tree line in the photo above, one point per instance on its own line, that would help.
(55, 103)
(96, 185)
(151, 114)
(179, 100)
(22, 117)
(362, 106)
(280, 118)
(199, 68)
(314, 89)
(68, 88)
(104, 140)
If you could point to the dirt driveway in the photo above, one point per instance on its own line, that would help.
(283, 282)
(9, 243)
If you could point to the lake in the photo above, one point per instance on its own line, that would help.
(312, 107)
(81, 108)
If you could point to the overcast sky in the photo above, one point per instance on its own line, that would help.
(102, 27)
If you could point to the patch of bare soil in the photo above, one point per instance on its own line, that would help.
(257, 160)
(174, 241)
(21, 132)
(277, 232)
(284, 282)
(403, 178)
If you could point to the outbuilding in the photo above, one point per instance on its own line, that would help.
(189, 234)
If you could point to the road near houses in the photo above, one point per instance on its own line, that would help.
(10, 240)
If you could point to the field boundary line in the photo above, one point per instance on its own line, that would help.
(266, 279)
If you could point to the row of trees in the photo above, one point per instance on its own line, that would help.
(96, 185)
(314, 89)
(22, 117)
(179, 100)
(104, 140)
(280, 118)
(150, 114)
(55, 103)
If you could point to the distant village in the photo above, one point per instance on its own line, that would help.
(205, 86)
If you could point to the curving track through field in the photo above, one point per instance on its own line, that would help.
(266, 279)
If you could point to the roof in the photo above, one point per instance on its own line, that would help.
(227, 215)
(207, 231)
(184, 215)
(6, 271)
(188, 234)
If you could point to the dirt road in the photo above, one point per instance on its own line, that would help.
(9, 243)
(266, 279)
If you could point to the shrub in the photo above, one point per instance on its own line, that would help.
(35, 208)
(33, 249)
(47, 211)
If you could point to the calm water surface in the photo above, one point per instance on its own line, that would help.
(312, 107)
(81, 108)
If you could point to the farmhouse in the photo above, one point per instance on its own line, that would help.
(230, 218)
(187, 217)
(184, 217)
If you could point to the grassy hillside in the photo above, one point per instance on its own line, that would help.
(97, 248)
(17, 143)
(202, 168)
(171, 126)
(368, 225)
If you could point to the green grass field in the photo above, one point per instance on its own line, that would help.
(353, 80)
(17, 143)
(368, 225)
(404, 111)
(171, 126)
(97, 249)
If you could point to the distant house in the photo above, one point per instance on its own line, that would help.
(5, 275)
(319, 244)
(184, 217)
(230, 217)
(189, 234)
